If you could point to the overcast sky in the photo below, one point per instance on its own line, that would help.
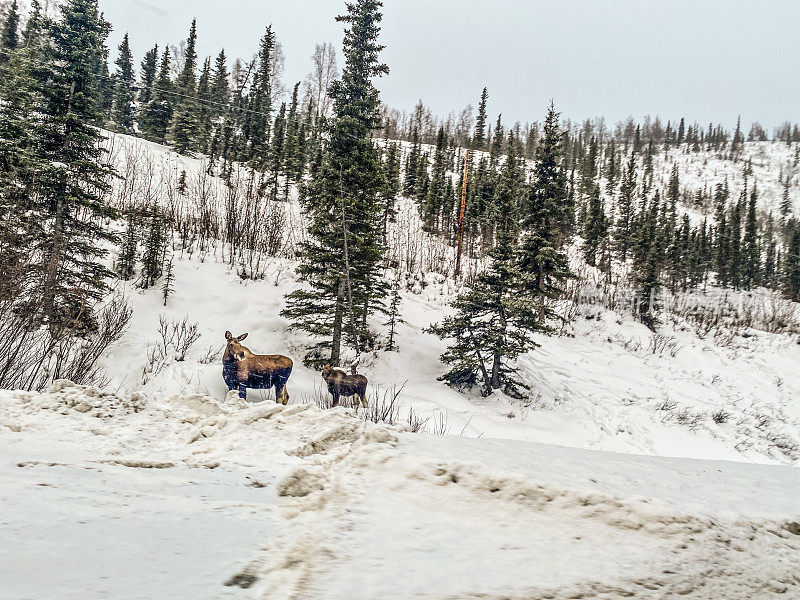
(703, 59)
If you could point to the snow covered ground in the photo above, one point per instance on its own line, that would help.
(191, 496)
(640, 466)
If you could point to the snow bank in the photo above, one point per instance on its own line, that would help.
(192, 497)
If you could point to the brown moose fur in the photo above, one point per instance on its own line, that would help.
(342, 384)
(242, 369)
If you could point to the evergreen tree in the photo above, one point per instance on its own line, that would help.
(9, 34)
(434, 200)
(480, 123)
(157, 114)
(342, 258)
(647, 271)
(167, 287)
(18, 165)
(751, 271)
(495, 317)
(149, 70)
(124, 84)
(722, 238)
(393, 184)
(791, 266)
(596, 227)
(186, 116)
(126, 264)
(546, 224)
(155, 245)
(738, 138)
(412, 165)
(623, 227)
(394, 315)
(72, 180)
(735, 242)
(220, 82)
(496, 144)
(786, 204)
(204, 109)
(257, 123)
(293, 126)
(277, 149)
(771, 254)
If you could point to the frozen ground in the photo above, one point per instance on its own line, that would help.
(192, 497)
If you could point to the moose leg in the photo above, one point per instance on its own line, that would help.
(281, 395)
(243, 391)
(335, 398)
(363, 398)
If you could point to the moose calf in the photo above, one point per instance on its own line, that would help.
(342, 384)
(241, 369)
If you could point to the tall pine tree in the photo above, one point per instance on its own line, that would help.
(342, 258)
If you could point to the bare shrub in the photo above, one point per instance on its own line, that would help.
(211, 355)
(415, 422)
(439, 424)
(384, 408)
(180, 335)
(721, 416)
(155, 362)
(667, 405)
(33, 356)
(660, 343)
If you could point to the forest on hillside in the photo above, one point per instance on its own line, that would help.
(535, 197)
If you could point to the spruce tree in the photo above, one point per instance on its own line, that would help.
(204, 109)
(126, 264)
(220, 91)
(257, 125)
(791, 266)
(157, 114)
(185, 124)
(546, 224)
(155, 245)
(751, 269)
(9, 34)
(623, 233)
(124, 84)
(149, 70)
(277, 150)
(18, 165)
(433, 204)
(341, 260)
(167, 287)
(479, 141)
(786, 205)
(72, 180)
(412, 165)
(495, 318)
(596, 227)
(393, 185)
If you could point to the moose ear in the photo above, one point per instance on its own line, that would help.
(228, 335)
(239, 356)
(241, 337)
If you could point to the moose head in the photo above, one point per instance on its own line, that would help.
(234, 349)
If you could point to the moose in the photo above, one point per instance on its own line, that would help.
(241, 369)
(342, 384)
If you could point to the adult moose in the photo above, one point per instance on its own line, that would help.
(241, 369)
(342, 384)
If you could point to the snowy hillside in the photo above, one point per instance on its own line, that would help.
(606, 383)
(644, 465)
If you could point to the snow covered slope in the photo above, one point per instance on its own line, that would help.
(642, 465)
(190, 496)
